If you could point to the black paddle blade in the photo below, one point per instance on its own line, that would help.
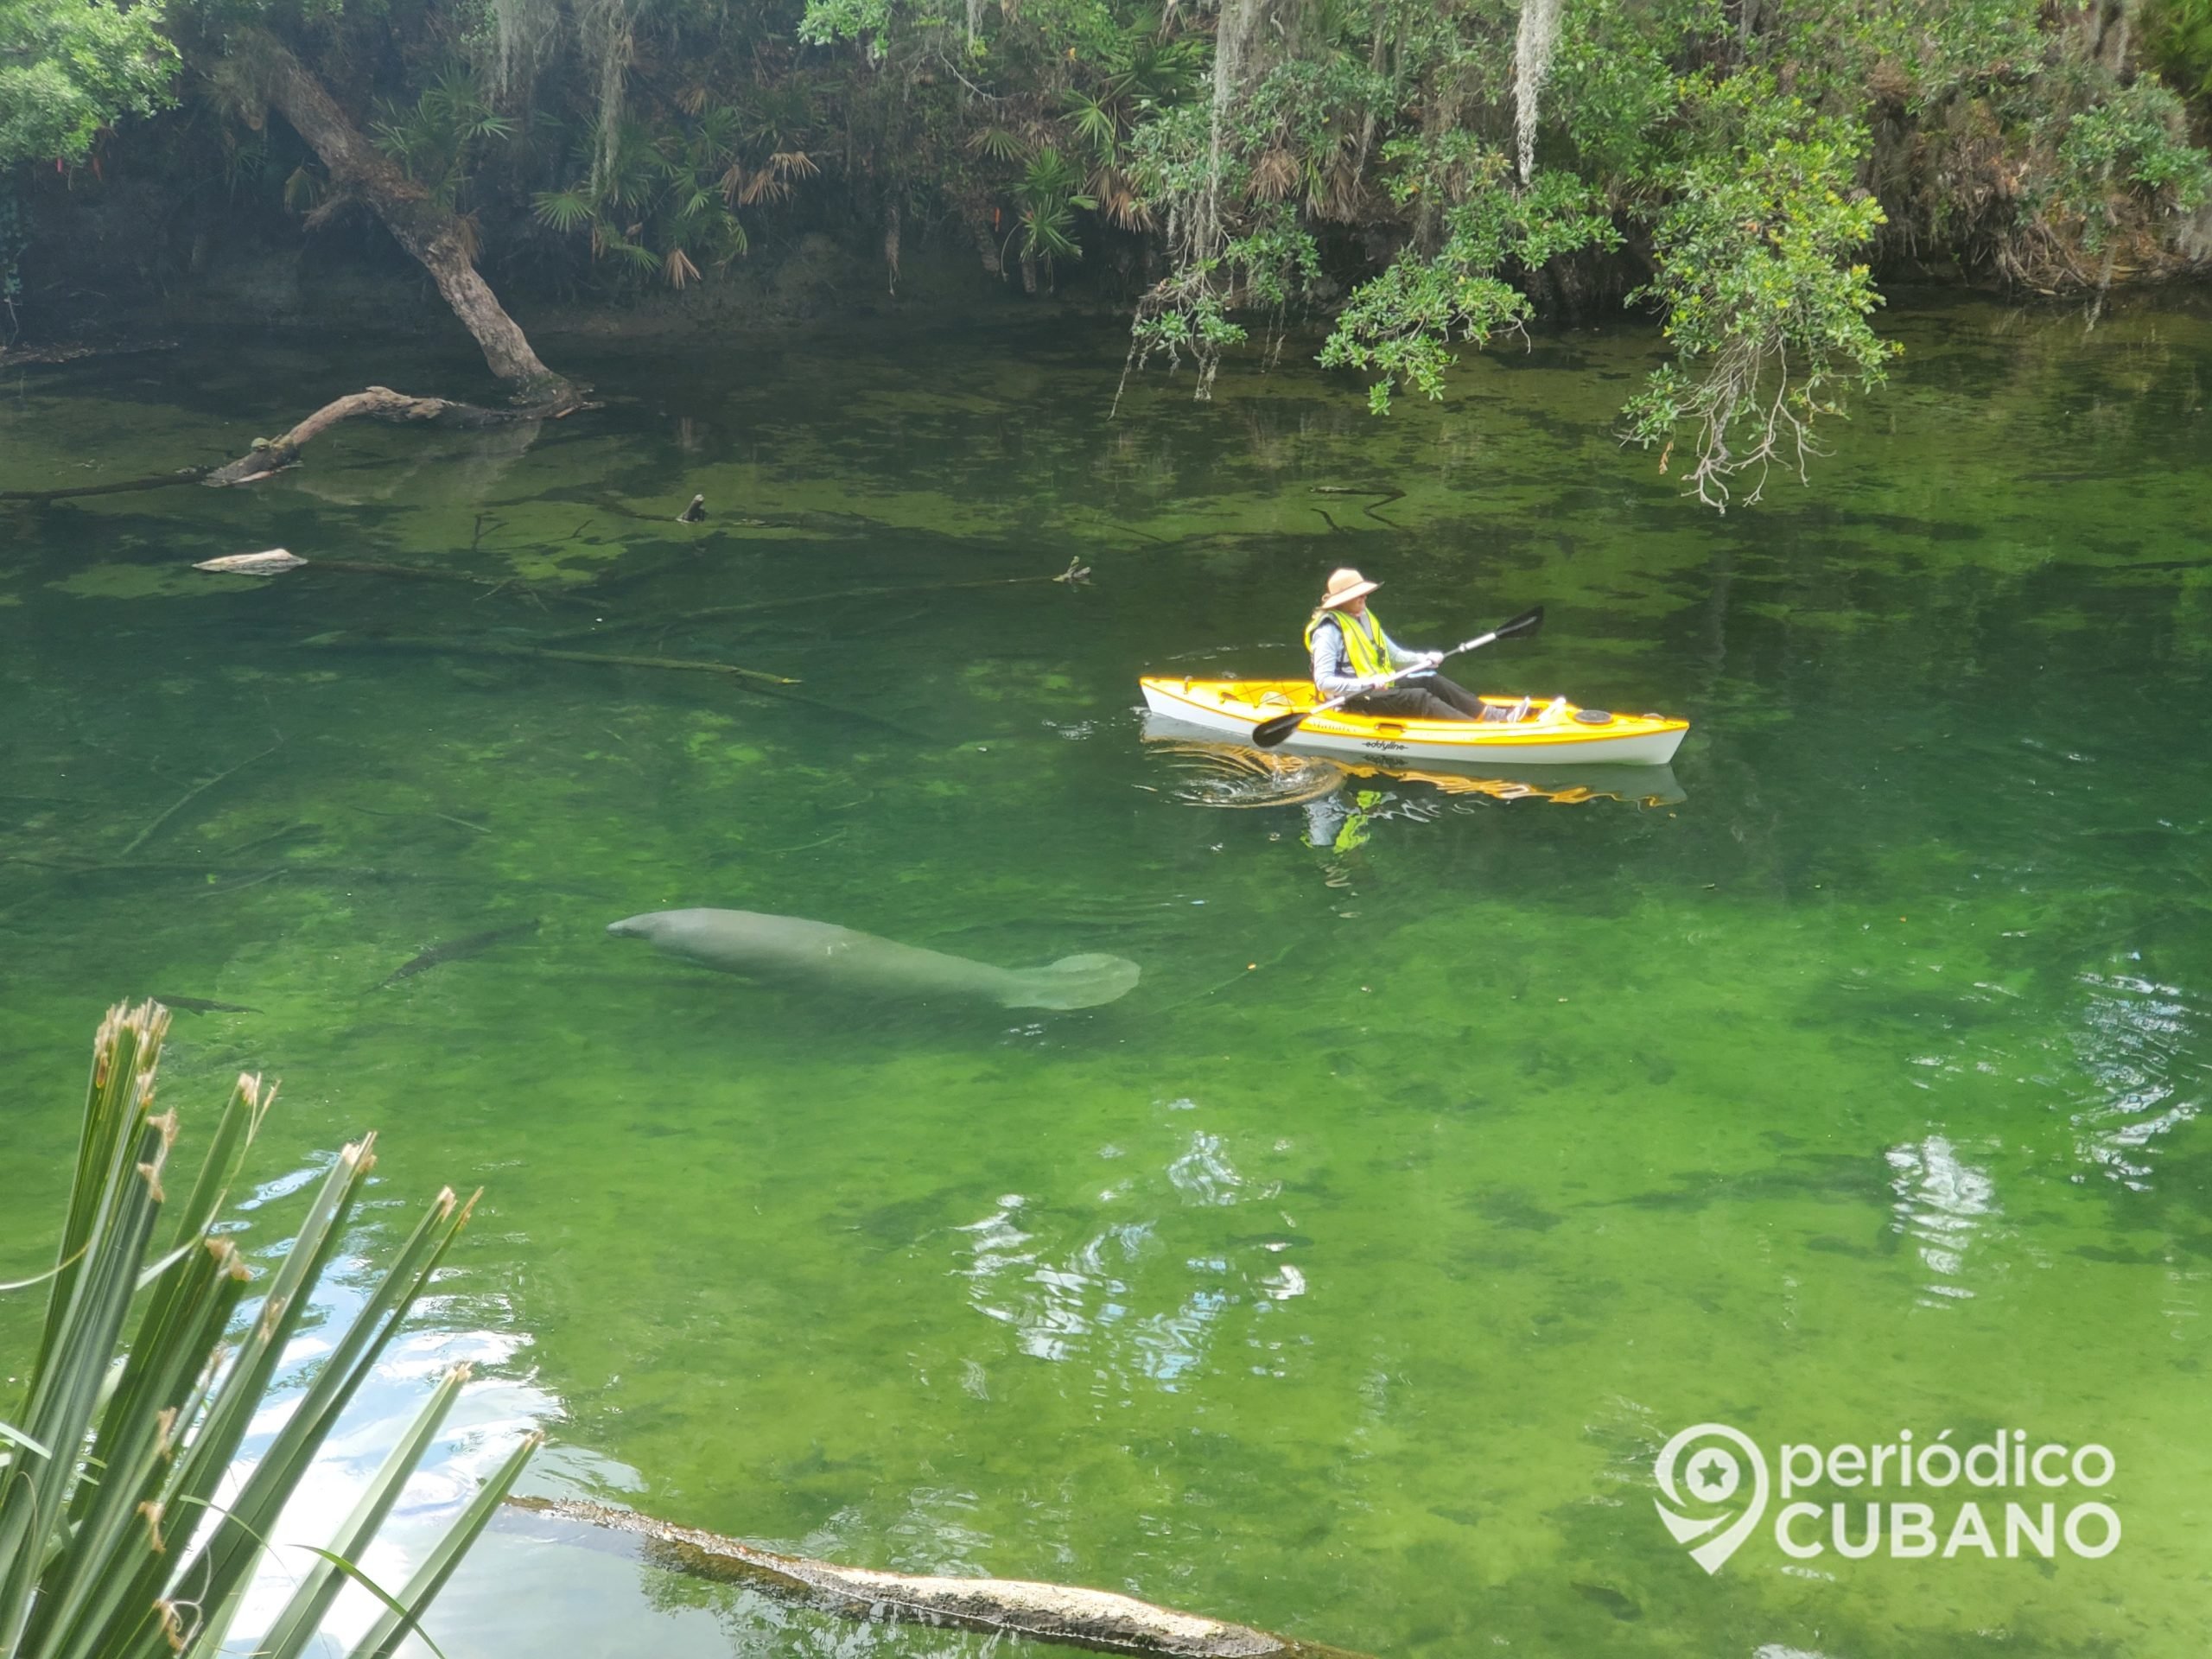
(1268, 732)
(1527, 622)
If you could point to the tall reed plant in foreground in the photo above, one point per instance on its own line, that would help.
(118, 1538)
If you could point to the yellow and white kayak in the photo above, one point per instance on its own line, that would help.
(1513, 731)
(1218, 771)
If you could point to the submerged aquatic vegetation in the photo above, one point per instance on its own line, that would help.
(114, 1541)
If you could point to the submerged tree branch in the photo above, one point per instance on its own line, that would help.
(1070, 1617)
(381, 403)
(751, 676)
(156, 481)
(270, 456)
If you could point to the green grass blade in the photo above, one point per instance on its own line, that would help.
(239, 1394)
(9, 1431)
(115, 1523)
(222, 1415)
(292, 1629)
(53, 1272)
(124, 1053)
(227, 1560)
(234, 1132)
(74, 1372)
(375, 1589)
(404, 1617)
(114, 1447)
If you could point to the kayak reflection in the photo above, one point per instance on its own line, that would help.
(1215, 773)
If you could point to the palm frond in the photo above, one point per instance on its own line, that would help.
(562, 210)
(997, 142)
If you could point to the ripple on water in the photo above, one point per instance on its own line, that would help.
(2138, 1040)
(1943, 1204)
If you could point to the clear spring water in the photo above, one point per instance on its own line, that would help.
(1344, 1277)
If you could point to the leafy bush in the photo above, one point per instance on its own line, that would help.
(2140, 137)
(1755, 278)
(69, 67)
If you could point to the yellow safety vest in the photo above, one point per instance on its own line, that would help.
(1364, 645)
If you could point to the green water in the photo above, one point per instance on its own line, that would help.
(1344, 1277)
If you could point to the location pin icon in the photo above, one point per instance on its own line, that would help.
(1714, 1461)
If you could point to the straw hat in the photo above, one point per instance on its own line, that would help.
(1345, 586)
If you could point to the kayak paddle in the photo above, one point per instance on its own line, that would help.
(1270, 732)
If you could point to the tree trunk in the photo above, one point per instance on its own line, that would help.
(425, 229)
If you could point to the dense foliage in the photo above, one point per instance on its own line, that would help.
(1424, 174)
(70, 68)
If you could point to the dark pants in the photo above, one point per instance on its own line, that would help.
(1424, 697)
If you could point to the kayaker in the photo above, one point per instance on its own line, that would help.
(1350, 652)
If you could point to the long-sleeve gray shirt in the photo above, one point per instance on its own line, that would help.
(1332, 673)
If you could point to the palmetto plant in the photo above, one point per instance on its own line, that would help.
(113, 1544)
(665, 201)
(1048, 196)
(436, 140)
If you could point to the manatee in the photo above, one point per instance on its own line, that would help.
(748, 942)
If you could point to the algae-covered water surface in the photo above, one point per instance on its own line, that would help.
(1460, 1144)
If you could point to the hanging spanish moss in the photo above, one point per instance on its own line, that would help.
(1232, 43)
(603, 27)
(1533, 45)
(524, 33)
(1186, 310)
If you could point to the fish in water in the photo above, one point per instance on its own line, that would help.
(748, 942)
(454, 950)
(201, 1005)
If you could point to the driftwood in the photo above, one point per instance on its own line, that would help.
(275, 562)
(1097, 1620)
(381, 403)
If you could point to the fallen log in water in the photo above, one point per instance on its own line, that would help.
(1097, 1620)
(270, 456)
(381, 403)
